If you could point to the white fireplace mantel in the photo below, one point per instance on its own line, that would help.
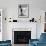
(25, 27)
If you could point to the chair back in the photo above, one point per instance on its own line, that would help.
(42, 37)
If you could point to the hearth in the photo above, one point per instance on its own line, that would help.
(22, 37)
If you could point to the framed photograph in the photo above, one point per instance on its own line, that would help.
(23, 11)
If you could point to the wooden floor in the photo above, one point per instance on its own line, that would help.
(20, 45)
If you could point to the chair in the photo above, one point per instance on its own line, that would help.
(5, 43)
(41, 42)
(31, 41)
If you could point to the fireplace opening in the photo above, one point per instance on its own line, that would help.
(22, 37)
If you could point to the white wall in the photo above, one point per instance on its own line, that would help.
(34, 3)
(40, 26)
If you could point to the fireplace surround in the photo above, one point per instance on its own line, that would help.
(22, 37)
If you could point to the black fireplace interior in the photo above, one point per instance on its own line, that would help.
(22, 37)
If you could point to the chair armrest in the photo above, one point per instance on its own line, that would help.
(41, 44)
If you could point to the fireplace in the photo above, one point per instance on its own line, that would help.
(22, 37)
